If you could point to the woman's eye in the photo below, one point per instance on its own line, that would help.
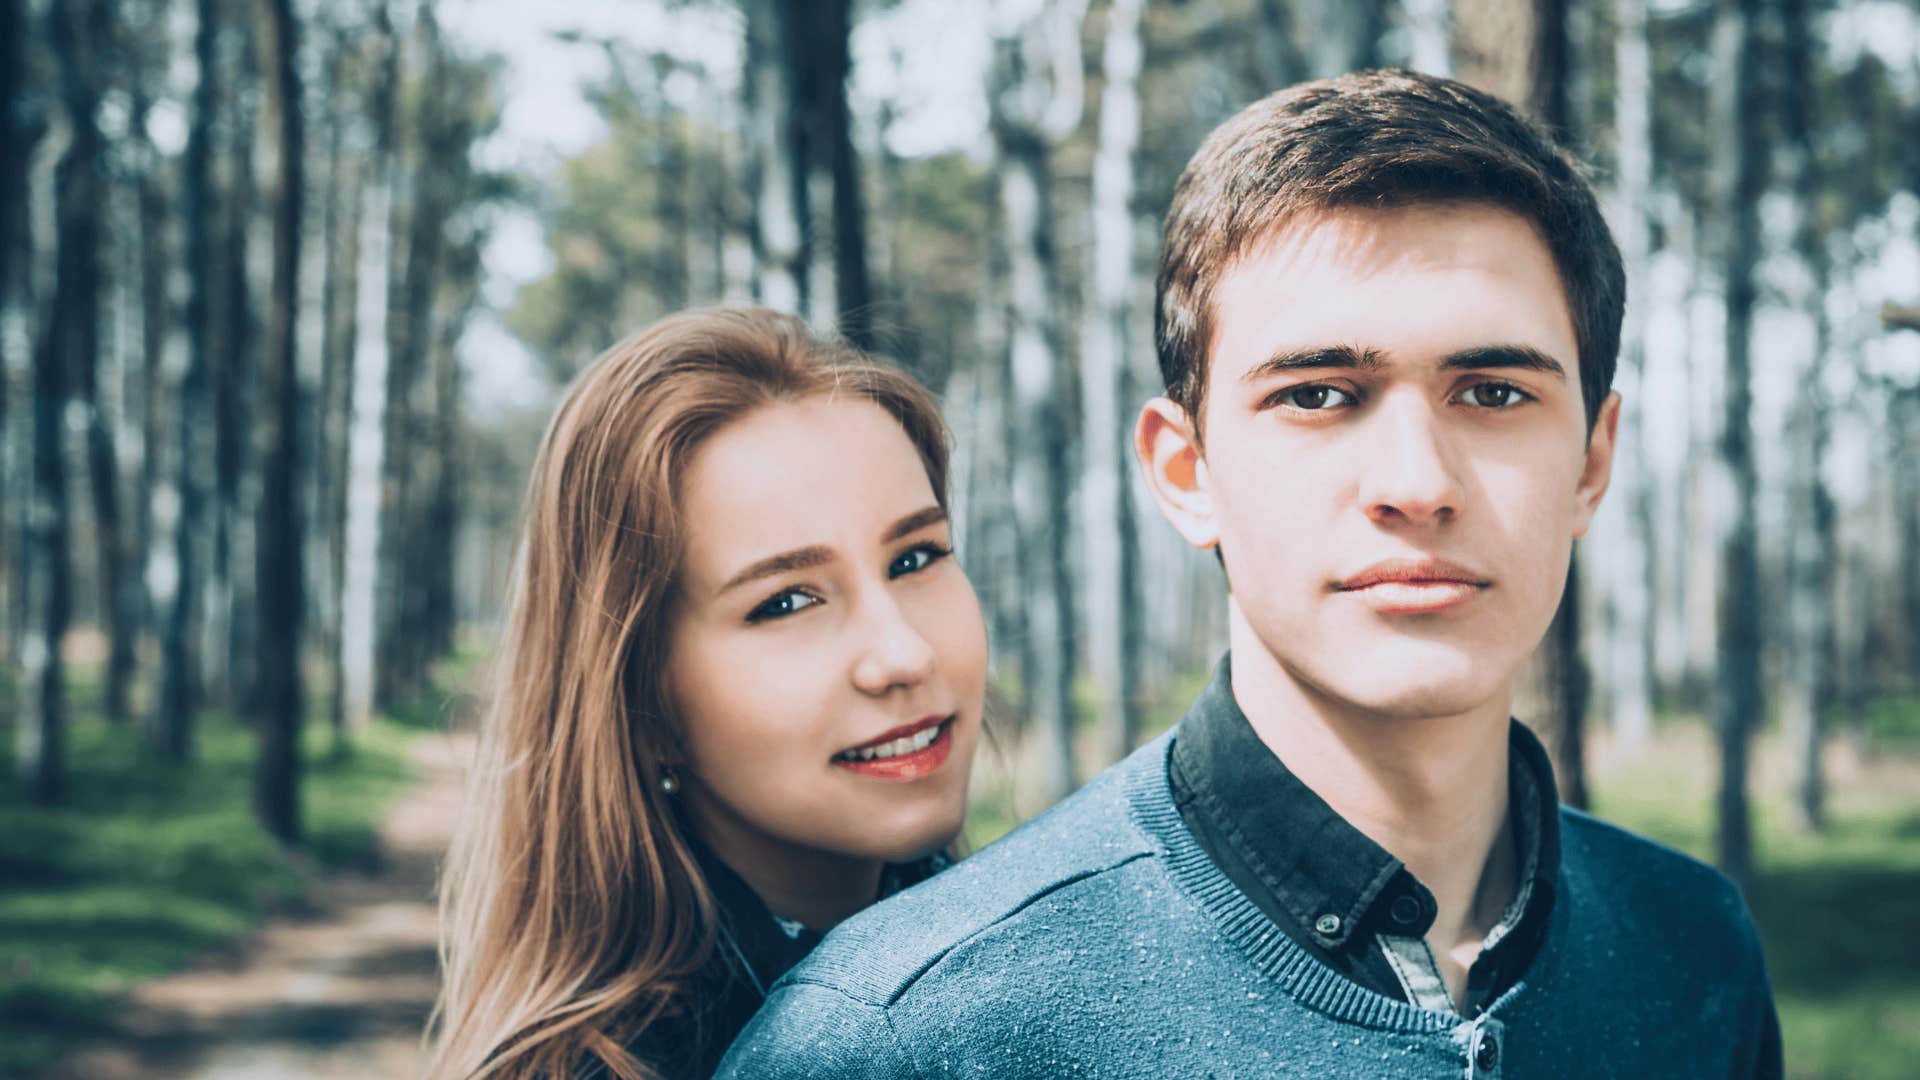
(1316, 397)
(916, 558)
(782, 604)
(1494, 395)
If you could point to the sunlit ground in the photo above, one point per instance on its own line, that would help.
(151, 863)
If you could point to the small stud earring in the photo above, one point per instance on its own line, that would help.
(669, 784)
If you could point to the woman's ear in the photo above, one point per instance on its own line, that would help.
(1168, 449)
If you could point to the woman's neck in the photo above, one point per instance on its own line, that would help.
(817, 888)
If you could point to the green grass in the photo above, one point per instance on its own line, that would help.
(152, 862)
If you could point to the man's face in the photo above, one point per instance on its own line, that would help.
(1396, 458)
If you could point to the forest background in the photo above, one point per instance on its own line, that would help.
(288, 290)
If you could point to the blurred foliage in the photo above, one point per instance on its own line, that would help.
(154, 862)
(618, 261)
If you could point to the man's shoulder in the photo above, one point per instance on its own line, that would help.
(1659, 890)
(1591, 843)
(876, 955)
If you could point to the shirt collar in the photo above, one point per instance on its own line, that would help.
(1331, 877)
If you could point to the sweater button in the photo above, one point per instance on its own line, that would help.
(1486, 1055)
(1328, 924)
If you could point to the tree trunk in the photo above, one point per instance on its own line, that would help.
(820, 39)
(1904, 414)
(1113, 555)
(230, 616)
(181, 639)
(1348, 33)
(40, 753)
(359, 601)
(1630, 652)
(1739, 172)
(780, 215)
(989, 538)
(1277, 44)
(1810, 652)
(1550, 76)
(1568, 684)
(401, 667)
(1042, 478)
(281, 578)
(82, 34)
(339, 248)
(1494, 44)
(442, 512)
(69, 343)
(14, 149)
(148, 550)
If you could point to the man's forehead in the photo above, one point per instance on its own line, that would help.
(1409, 284)
(1367, 238)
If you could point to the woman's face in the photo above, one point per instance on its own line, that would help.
(828, 657)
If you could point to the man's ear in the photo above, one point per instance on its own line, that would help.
(1169, 452)
(1597, 471)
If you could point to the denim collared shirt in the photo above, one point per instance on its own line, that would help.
(1332, 889)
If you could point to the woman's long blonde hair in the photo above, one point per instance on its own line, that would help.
(572, 913)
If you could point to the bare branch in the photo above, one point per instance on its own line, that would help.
(1900, 316)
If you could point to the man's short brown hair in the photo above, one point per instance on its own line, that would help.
(1376, 139)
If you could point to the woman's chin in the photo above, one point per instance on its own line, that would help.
(909, 840)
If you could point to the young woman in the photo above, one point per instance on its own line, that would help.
(737, 701)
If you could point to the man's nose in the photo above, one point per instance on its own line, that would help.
(1409, 475)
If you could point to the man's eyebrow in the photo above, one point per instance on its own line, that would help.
(797, 559)
(1316, 356)
(913, 522)
(1503, 356)
(817, 555)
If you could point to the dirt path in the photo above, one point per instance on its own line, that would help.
(340, 993)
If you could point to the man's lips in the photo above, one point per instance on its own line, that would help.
(1413, 586)
(1412, 572)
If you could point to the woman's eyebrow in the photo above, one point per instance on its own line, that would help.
(913, 522)
(1503, 356)
(797, 559)
(818, 555)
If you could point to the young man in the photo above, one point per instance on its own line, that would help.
(1388, 317)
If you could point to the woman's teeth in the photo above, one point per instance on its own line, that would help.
(905, 744)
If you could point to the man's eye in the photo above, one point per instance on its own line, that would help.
(916, 558)
(1494, 395)
(781, 605)
(1316, 397)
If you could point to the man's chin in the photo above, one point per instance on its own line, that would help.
(1418, 702)
(1397, 689)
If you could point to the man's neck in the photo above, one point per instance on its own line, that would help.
(1432, 790)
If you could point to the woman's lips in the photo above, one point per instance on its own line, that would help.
(912, 765)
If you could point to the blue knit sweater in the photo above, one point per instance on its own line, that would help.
(1100, 940)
